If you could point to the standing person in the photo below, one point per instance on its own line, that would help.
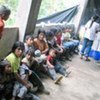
(89, 36)
(4, 15)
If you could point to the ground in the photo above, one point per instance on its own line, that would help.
(82, 84)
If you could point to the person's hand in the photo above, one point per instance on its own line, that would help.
(28, 86)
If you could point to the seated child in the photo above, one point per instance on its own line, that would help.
(33, 77)
(54, 67)
(19, 89)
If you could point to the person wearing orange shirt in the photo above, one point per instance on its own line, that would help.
(4, 15)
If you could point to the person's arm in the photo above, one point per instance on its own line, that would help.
(24, 82)
(45, 51)
(46, 48)
(49, 64)
(1, 29)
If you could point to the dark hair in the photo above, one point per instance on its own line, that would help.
(3, 63)
(95, 17)
(18, 44)
(41, 31)
(49, 34)
(54, 30)
(30, 52)
(4, 10)
(29, 36)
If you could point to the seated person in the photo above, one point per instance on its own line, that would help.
(19, 89)
(14, 59)
(40, 42)
(54, 67)
(53, 45)
(28, 43)
(6, 80)
(33, 77)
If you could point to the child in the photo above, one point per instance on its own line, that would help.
(28, 43)
(33, 77)
(6, 80)
(4, 15)
(54, 67)
(14, 59)
(19, 89)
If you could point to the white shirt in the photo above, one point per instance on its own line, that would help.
(90, 32)
(65, 36)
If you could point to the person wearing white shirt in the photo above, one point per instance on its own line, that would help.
(89, 36)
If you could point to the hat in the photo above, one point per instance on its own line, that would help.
(37, 53)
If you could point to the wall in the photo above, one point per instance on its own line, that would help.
(10, 35)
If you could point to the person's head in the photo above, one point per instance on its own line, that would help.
(63, 29)
(53, 30)
(30, 54)
(4, 12)
(59, 32)
(5, 67)
(18, 48)
(49, 35)
(68, 29)
(29, 40)
(52, 52)
(41, 34)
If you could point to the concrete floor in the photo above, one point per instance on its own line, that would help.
(82, 84)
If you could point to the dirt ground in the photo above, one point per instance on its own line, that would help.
(82, 84)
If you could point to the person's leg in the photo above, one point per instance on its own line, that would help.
(36, 81)
(59, 68)
(35, 97)
(52, 73)
(22, 92)
(85, 41)
(76, 43)
(9, 89)
(88, 49)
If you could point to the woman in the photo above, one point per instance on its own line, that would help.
(40, 43)
(89, 36)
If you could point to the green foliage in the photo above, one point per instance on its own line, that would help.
(47, 8)
(52, 6)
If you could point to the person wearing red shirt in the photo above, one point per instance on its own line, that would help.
(4, 15)
(55, 67)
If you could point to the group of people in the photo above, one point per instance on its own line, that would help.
(22, 68)
(28, 60)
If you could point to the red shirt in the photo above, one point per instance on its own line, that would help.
(1, 27)
(58, 39)
(51, 59)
